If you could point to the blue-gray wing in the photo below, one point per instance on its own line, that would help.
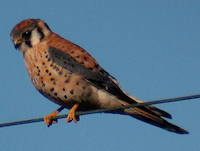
(99, 78)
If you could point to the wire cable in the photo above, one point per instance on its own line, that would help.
(103, 110)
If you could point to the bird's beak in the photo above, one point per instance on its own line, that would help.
(17, 43)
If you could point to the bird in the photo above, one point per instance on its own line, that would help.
(69, 76)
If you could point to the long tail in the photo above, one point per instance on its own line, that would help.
(155, 120)
(152, 115)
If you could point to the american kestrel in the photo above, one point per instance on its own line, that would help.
(69, 76)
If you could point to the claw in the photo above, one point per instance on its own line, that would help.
(48, 119)
(72, 114)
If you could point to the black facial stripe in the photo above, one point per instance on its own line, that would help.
(27, 35)
(47, 26)
(41, 33)
(28, 43)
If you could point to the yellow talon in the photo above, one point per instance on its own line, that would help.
(72, 114)
(48, 120)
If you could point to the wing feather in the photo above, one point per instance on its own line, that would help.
(99, 78)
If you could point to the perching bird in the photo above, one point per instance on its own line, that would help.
(68, 75)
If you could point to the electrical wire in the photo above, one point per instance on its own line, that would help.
(78, 113)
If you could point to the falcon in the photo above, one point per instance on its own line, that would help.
(69, 76)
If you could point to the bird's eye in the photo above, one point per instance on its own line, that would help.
(26, 35)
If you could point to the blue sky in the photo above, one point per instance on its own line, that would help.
(151, 47)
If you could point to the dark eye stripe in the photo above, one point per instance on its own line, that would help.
(26, 35)
(28, 43)
(41, 33)
(47, 26)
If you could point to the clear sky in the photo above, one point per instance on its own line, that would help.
(151, 47)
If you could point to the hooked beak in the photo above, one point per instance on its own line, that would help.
(17, 43)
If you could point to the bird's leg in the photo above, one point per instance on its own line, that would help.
(72, 114)
(48, 119)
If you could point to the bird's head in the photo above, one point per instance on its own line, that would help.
(28, 33)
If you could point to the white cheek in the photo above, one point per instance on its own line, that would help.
(35, 38)
(24, 47)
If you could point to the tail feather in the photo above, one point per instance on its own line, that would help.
(148, 115)
(164, 124)
(157, 111)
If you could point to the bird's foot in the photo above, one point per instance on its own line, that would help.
(48, 119)
(72, 114)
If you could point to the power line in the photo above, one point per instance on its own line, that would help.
(104, 110)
